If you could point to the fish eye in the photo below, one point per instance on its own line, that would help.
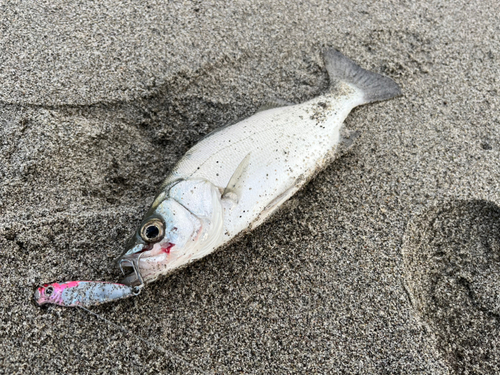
(152, 231)
(49, 290)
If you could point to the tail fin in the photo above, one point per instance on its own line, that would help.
(374, 86)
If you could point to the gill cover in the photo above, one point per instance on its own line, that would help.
(192, 214)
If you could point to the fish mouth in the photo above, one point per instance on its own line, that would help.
(130, 261)
(129, 265)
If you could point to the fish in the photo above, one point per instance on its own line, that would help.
(82, 293)
(235, 178)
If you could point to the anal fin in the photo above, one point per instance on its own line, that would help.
(277, 203)
(347, 140)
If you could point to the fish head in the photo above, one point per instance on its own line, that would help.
(175, 231)
(50, 293)
(163, 236)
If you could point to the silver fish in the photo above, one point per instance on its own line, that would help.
(234, 179)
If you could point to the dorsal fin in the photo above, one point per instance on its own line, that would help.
(276, 103)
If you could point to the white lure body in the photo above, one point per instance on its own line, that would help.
(234, 179)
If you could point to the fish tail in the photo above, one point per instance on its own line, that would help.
(374, 87)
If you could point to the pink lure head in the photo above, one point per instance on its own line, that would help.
(52, 293)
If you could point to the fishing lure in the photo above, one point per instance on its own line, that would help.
(83, 293)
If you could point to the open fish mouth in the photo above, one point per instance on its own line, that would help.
(129, 265)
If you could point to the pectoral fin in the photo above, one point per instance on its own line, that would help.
(234, 188)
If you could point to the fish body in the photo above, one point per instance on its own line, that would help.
(238, 176)
(82, 293)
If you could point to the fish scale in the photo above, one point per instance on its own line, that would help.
(284, 144)
(289, 129)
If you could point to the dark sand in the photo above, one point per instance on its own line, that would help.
(97, 102)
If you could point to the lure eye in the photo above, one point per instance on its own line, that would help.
(152, 231)
(49, 290)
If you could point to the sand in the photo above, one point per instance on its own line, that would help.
(386, 263)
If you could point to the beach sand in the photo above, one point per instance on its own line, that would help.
(388, 262)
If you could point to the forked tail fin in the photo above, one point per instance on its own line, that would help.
(374, 87)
